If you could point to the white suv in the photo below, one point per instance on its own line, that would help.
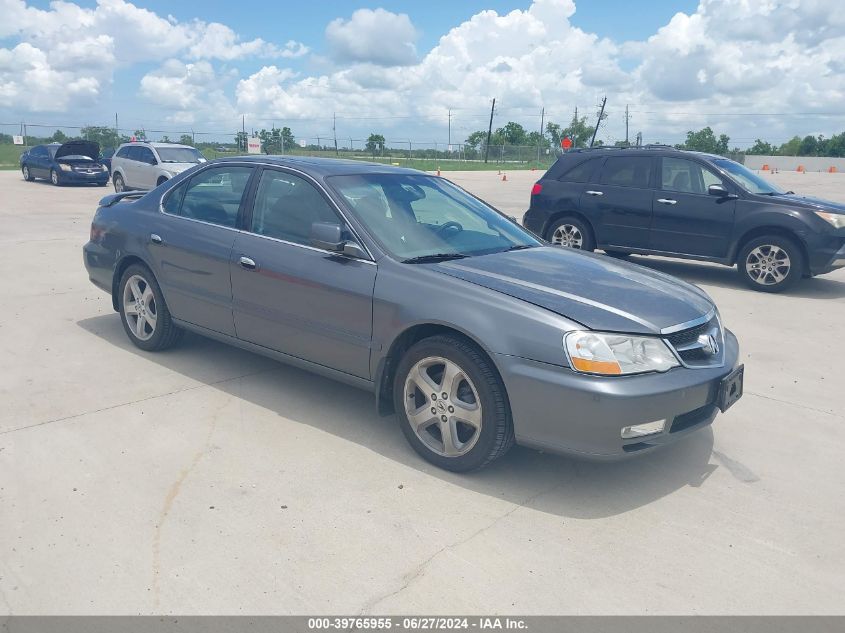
(147, 165)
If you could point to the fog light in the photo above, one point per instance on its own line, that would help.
(638, 430)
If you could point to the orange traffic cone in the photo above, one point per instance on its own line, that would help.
(832, 170)
(504, 177)
(766, 167)
(800, 168)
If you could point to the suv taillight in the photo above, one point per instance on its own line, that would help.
(536, 189)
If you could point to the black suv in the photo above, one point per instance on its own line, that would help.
(657, 200)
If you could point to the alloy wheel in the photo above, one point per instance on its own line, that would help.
(768, 265)
(118, 184)
(568, 235)
(139, 307)
(25, 172)
(54, 177)
(443, 406)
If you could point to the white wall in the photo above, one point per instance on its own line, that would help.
(791, 163)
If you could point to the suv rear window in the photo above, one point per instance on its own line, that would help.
(581, 172)
(627, 171)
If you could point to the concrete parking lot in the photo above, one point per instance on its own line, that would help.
(211, 480)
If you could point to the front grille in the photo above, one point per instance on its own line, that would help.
(695, 355)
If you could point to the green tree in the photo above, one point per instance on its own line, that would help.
(59, 137)
(240, 141)
(578, 131)
(104, 136)
(511, 134)
(705, 141)
(288, 141)
(186, 139)
(809, 146)
(791, 147)
(140, 135)
(761, 148)
(375, 143)
(476, 140)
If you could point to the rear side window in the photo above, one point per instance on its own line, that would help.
(581, 172)
(213, 195)
(627, 171)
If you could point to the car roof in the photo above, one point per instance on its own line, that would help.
(643, 150)
(322, 166)
(156, 145)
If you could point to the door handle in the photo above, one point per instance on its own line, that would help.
(155, 238)
(667, 201)
(247, 263)
(595, 193)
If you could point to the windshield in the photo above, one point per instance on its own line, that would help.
(180, 155)
(747, 178)
(422, 216)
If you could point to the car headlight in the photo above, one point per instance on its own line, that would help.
(611, 354)
(64, 167)
(836, 219)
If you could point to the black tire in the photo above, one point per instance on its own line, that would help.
(770, 263)
(165, 334)
(161, 181)
(617, 254)
(54, 178)
(566, 225)
(27, 174)
(119, 184)
(496, 435)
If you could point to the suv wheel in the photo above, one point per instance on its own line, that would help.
(452, 405)
(144, 313)
(770, 263)
(571, 232)
(119, 185)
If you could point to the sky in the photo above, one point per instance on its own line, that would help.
(767, 69)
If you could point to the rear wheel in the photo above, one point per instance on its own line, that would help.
(54, 177)
(452, 405)
(144, 313)
(770, 263)
(119, 185)
(571, 232)
(27, 175)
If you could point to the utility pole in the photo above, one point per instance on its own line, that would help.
(627, 118)
(450, 130)
(116, 129)
(598, 123)
(334, 131)
(243, 133)
(489, 130)
(542, 120)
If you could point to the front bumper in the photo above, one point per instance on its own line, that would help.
(80, 178)
(837, 261)
(559, 410)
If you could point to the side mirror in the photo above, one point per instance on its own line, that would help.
(718, 190)
(327, 236)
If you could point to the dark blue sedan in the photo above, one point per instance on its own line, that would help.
(74, 162)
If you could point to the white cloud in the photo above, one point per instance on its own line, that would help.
(373, 36)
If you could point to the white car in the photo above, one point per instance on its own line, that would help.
(143, 166)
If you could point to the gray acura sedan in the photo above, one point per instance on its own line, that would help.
(473, 331)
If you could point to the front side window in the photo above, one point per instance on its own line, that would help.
(415, 216)
(213, 195)
(286, 206)
(145, 155)
(627, 171)
(686, 176)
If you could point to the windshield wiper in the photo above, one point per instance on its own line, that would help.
(434, 257)
(518, 247)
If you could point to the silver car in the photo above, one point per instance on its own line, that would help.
(143, 166)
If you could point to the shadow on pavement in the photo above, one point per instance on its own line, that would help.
(557, 485)
(822, 287)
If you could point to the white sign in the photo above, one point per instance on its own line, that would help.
(17, 140)
(253, 146)
(302, 142)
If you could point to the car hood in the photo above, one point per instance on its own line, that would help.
(81, 148)
(594, 290)
(807, 202)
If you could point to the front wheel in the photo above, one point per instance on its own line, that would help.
(119, 185)
(571, 232)
(54, 177)
(144, 313)
(452, 405)
(770, 263)
(27, 175)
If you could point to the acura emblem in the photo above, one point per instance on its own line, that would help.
(709, 344)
